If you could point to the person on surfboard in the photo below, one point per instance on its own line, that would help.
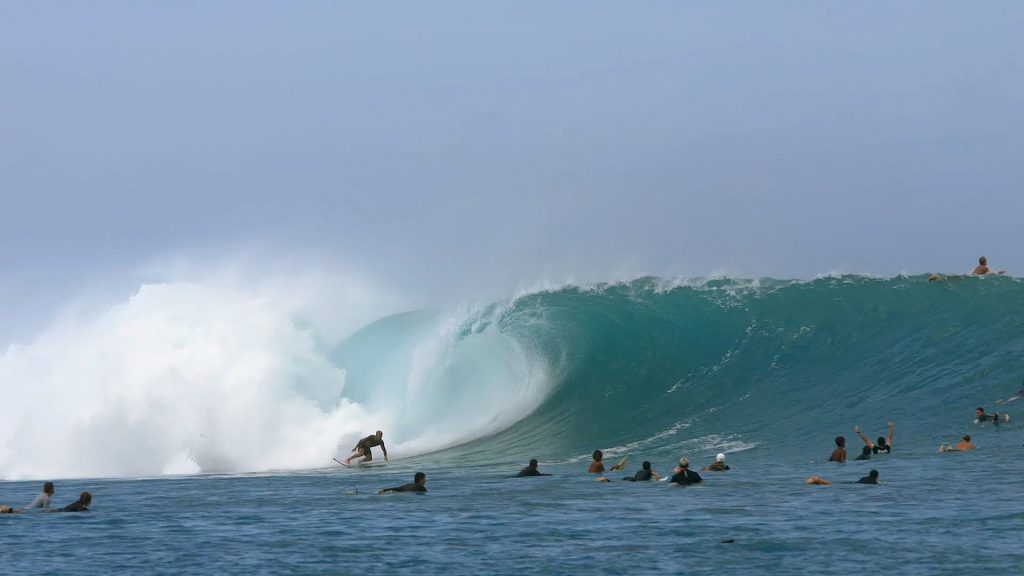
(531, 470)
(419, 484)
(362, 448)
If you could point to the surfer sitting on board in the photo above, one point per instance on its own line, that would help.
(597, 466)
(682, 474)
(419, 484)
(718, 466)
(363, 448)
(530, 470)
(882, 445)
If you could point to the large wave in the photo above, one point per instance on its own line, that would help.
(190, 377)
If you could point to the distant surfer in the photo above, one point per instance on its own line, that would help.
(530, 470)
(982, 268)
(839, 454)
(419, 484)
(362, 448)
(644, 474)
(964, 445)
(995, 418)
(718, 466)
(865, 454)
(871, 478)
(880, 446)
(683, 476)
(1013, 398)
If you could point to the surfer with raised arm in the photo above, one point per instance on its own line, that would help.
(882, 445)
(362, 448)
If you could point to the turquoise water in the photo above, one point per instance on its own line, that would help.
(767, 372)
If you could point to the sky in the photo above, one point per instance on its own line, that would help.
(461, 150)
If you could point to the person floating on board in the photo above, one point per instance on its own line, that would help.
(644, 474)
(871, 478)
(880, 446)
(362, 448)
(839, 454)
(995, 418)
(718, 466)
(419, 484)
(80, 505)
(530, 470)
(682, 474)
(964, 445)
(43, 500)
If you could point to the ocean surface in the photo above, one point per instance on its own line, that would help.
(204, 462)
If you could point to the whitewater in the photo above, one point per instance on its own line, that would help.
(189, 396)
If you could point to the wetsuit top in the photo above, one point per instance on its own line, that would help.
(41, 501)
(642, 476)
(867, 480)
(884, 449)
(75, 507)
(989, 418)
(413, 487)
(371, 441)
(529, 472)
(718, 467)
(686, 477)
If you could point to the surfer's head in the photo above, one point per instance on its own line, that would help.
(841, 441)
(380, 434)
(983, 261)
(873, 474)
(533, 463)
(979, 412)
(48, 488)
(880, 441)
(598, 456)
(967, 437)
(647, 465)
(684, 463)
(420, 478)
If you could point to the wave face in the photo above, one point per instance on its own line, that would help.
(187, 378)
(657, 367)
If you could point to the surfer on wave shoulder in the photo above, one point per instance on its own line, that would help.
(362, 448)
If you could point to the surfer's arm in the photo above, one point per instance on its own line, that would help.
(867, 441)
(892, 426)
(384, 450)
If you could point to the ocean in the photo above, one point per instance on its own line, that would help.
(206, 435)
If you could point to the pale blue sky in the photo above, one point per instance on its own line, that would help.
(464, 148)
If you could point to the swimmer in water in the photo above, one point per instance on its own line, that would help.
(882, 445)
(964, 445)
(683, 476)
(718, 466)
(80, 505)
(419, 484)
(871, 478)
(995, 418)
(865, 454)
(644, 474)
(597, 466)
(530, 470)
(839, 454)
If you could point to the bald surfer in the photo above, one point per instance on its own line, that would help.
(362, 448)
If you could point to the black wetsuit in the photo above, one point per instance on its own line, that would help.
(75, 507)
(883, 449)
(413, 487)
(369, 442)
(642, 475)
(867, 480)
(529, 472)
(686, 477)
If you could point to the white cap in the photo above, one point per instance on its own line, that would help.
(720, 458)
